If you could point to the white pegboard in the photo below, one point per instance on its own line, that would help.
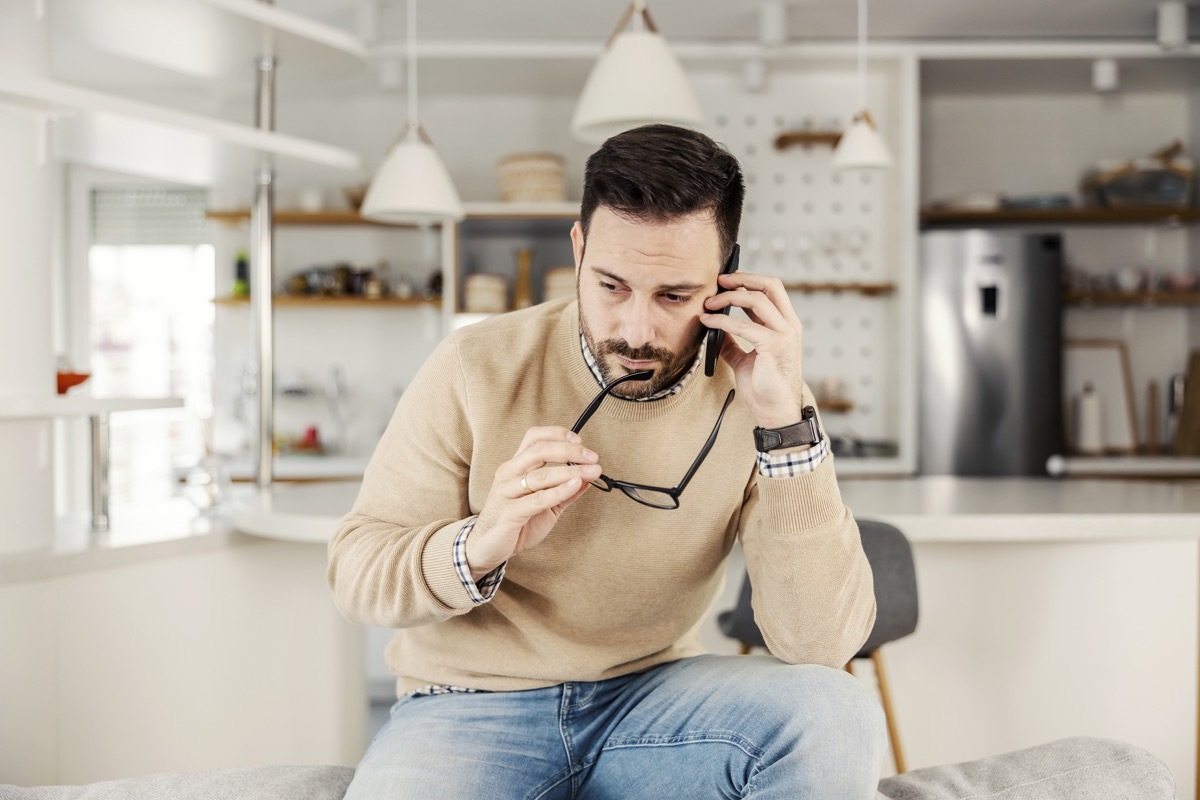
(805, 223)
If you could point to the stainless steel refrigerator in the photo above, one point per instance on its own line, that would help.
(990, 352)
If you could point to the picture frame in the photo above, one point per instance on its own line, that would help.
(1104, 363)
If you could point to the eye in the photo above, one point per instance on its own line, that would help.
(609, 287)
(677, 298)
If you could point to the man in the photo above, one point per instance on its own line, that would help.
(548, 630)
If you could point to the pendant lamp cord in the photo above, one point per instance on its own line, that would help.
(413, 122)
(862, 54)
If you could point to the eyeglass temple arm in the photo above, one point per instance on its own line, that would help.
(712, 437)
(640, 375)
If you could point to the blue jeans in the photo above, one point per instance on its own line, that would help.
(704, 727)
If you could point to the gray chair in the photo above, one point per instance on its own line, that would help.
(895, 578)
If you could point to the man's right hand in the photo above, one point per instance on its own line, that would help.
(556, 469)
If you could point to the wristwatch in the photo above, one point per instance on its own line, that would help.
(804, 432)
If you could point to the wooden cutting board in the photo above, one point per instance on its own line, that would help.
(1187, 435)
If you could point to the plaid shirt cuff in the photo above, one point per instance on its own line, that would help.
(789, 465)
(486, 588)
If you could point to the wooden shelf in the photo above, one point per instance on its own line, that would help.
(835, 406)
(1060, 216)
(808, 138)
(867, 289)
(346, 216)
(330, 302)
(1132, 299)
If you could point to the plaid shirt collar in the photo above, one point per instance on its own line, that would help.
(670, 391)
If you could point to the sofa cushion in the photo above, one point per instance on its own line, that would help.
(249, 783)
(1068, 769)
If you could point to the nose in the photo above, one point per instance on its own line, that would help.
(637, 324)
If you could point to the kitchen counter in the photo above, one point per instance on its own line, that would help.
(1038, 598)
(932, 508)
(951, 509)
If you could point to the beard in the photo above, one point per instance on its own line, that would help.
(671, 365)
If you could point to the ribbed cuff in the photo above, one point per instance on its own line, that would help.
(801, 503)
(437, 565)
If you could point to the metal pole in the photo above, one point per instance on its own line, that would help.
(262, 225)
(100, 459)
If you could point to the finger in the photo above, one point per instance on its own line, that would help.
(757, 304)
(769, 285)
(582, 491)
(539, 454)
(547, 433)
(752, 332)
(532, 504)
(548, 477)
(733, 354)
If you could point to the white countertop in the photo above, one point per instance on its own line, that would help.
(931, 509)
(951, 509)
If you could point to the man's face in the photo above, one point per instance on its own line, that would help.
(641, 289)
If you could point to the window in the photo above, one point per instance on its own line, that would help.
(152, 281)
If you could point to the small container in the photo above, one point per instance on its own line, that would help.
(485, 293)
(559, 282)
(533, 177)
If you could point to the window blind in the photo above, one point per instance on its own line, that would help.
(149, 215)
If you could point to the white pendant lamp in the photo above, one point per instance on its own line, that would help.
(412, 184)
(861, 146)
(636, 81)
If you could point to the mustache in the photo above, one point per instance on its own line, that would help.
(619, 347)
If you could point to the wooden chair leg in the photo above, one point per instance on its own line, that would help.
(886, 696)
(743, 649)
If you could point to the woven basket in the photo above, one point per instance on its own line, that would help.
(533, 177)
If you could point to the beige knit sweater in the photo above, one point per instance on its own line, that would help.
(616, 587)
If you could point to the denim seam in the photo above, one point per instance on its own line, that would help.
(540, 791)
(563, 710)
(740, 742)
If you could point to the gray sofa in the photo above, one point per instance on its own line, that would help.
(1069, 769)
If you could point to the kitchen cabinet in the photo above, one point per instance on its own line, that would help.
(489, 238)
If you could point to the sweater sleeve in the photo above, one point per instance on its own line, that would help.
(814, 598)
(391, 559)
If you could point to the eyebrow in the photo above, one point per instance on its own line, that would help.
(662, 287)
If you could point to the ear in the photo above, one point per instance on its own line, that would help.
(577, 245)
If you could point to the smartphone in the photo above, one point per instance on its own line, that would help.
(715, 336)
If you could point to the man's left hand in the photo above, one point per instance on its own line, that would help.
(769, 377)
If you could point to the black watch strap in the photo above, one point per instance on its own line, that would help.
(804, 432)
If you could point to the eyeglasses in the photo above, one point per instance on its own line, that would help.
(653, 496)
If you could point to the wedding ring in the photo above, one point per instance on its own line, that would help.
(525, 485)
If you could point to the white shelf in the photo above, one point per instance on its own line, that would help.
(208, 40)
(51, 406)
(133, 137)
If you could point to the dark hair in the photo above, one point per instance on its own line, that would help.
(659, 173)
